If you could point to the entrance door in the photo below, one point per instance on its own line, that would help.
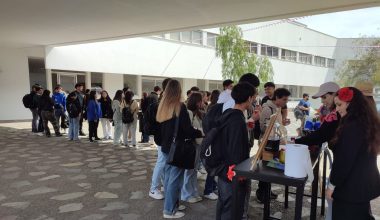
(67, 82)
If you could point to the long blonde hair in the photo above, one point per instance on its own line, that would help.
(170, 103)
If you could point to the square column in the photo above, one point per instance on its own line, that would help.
(88, 80)
(49, 82)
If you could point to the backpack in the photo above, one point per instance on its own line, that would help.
(27, 100)
(211, 117)
(298, 113)
(257, 129)
(127, 114)
(72, 110)
(150, 123)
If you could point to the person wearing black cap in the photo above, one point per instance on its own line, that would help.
(81, 98)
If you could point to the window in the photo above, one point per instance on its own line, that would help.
(305, 58)
(330, 63)
(175, 36)
(211, 39)
(289, 55)
(197, 37)
(186, 36)
(253, 47)
(319, 61)
(269, 51)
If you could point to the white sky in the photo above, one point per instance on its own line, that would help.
(356, 23)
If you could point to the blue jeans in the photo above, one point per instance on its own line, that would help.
(35, 119)
(117, 131)
(173, 183)
(210, 185)
(73, 128)
(190, 185)
(158, 172)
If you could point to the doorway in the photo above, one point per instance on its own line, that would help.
(67, 80)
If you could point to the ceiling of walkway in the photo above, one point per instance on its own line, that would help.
(25, 23)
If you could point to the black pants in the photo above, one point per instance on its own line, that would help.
(49, 116)
(93, 129)
(351, 211)
(224, 204)
(81, 122)
(40, 127)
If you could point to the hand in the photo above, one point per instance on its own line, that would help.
(329, 193)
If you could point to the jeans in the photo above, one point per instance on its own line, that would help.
(73, 128)
(40, 122)
(117, 132)
(144, 137)
(173, 183)
(93, 129)
(210, 185)
(107, 128)
(61, 117)
(190, 185)
(130, 127)
(49, 116)
(157, 176)
(224, 204)
(35, 119)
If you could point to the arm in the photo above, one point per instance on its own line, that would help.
(325, 133)
(64, 103)
(185, 126)
(264, 118)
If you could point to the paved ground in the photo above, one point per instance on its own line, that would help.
(52, 178)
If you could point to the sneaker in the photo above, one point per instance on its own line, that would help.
(181, 207)
(58, 135)
(194, 199)
(211, 196)
(81, 133)
(175, 215)
(156, 194)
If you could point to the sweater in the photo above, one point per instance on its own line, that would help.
(116, 108)
(106, 106)
(59, 100)
(94, 112)
(46, 103)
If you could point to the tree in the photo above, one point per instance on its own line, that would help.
(365, 66)
(236, 58)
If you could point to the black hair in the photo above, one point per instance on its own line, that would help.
(72, 95)
(208, 93)
(305, 95)
(93, 95)
(157, 88)
(165, 83)
(78, 85)
(128, 97)
(227, 83)
(251, 79)
(242, 91)
(38, 88)
(57, 87)
(125, 89)
(269, 84)
(87, 91)
(188, 92)
(194, 99)
(214, 96)
(46, 93)
(280, 93)
(195, 89)
(118, 95)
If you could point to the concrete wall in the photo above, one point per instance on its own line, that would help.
(14, 81)
(112, 83)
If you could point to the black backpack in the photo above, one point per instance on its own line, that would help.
(150, 123)
(27, 100)
(127, 114)
(72, 110)
(211, 117)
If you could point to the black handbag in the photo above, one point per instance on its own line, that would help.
(182, 153)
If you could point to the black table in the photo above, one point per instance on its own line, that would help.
(267, 175)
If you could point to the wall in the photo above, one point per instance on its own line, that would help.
(112, 83)
(14, 81)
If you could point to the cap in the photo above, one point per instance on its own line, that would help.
(326, 88)
(365, 87)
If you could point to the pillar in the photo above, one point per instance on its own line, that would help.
(112, 83)
(207, 85)
(49, 82)
(88, 80)
(138, 86)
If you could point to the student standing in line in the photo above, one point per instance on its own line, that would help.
(213, 99)
(94, 113)
(129, 111)
(59, 98)
(117, 117)
(74, 110)
(107, 114)
(82, 100)
(354, 178)
(46, 105)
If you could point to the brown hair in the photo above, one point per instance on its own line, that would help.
(192, 103)
(170, 103)
(361, 110)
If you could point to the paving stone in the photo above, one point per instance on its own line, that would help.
(94, 217)
(138, 173)
(20, 184)
(115, 185)
(120, 171)
(10, 169)
(37, 191)
(129, 162)
(11, 176)
(9, 217)
(43, 217)
(78, 177)
(109, 175)
(85, 185)
(138, 178)
(137, 195)
(37, 173)
(111, 165)
(42, 167)
(105, 195)
(115, 206)
(130, 216)
(72, 170)
(111, 161)
(16, 205)
(139, 164)
(72, 207)
(94, 164)
(49, 177)
(68, 196)
(2, 197)
(99, 170)
(72, 164)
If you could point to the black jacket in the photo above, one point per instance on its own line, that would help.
(106, 106)
(354, 171)
(46, 103)
(76, 102)
(185, 130)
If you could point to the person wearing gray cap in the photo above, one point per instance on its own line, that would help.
(326, 132)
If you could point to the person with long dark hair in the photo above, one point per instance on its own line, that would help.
(169, 109)
(107, 114)
(130, 109)
(94, 113)
(354, 178)
(117, 117)
(213, 99)
(46, 105)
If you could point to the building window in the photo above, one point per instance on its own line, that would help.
(186, 36)
(215, 85)
(211, 39)
(253, 47)
(269, 51)
(319, 61)
(175, 36)
(197, 37)
(305, 58)
(330, 63)
(289, 55)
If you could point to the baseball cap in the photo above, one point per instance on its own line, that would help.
(326, 88)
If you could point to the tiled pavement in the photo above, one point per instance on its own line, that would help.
(52, 178)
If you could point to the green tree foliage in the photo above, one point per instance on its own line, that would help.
(365, 66)
(236, 58)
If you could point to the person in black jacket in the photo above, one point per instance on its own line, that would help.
(354, 178)
(169, 109)
(46, 105)
(107, 114)
(235, 150)
(74, 110)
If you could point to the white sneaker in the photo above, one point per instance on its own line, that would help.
(175, 215)
(211, 196)
(194, 199)
(181, 207)
(156, 194)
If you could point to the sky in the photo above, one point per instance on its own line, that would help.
(346, 24)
